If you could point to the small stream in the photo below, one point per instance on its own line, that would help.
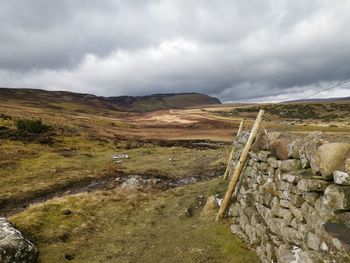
(147, 182)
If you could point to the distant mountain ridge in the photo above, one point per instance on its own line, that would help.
(57, 99)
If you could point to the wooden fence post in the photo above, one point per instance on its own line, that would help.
(239, 167)
(227, 171)
(240, 128)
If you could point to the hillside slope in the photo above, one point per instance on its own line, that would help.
(64, 99)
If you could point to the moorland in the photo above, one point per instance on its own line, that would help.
(61, 185)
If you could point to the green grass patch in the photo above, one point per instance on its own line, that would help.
(130, 226)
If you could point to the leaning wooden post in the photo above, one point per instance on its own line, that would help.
(239, 167)
(232, 152)
(240, 128)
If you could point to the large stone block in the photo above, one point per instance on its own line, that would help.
(290, 165)
(337, 197)
(261, 143)
(330, 156)
(14, 247)
(294, 148)
(296, 176)
(307, 185)
(284, 146)
(308, 152)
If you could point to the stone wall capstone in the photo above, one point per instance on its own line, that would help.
(292, 203)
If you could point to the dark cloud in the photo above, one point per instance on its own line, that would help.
(236, 50)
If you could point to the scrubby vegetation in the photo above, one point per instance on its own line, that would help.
(299, 111)
(31, 126)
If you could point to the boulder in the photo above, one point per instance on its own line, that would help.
(132, 183)
(14, 248)
(330, 156)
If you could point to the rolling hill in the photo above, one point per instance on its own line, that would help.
(64, 99)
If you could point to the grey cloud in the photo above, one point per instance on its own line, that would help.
(236, 50)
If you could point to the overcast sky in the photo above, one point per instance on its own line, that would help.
(236, 50)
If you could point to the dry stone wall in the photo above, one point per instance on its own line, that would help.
(292, 203)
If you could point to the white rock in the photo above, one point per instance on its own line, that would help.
(342, 178)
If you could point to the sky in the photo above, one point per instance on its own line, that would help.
(241, 50)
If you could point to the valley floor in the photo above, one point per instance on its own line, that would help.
(52, 173)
